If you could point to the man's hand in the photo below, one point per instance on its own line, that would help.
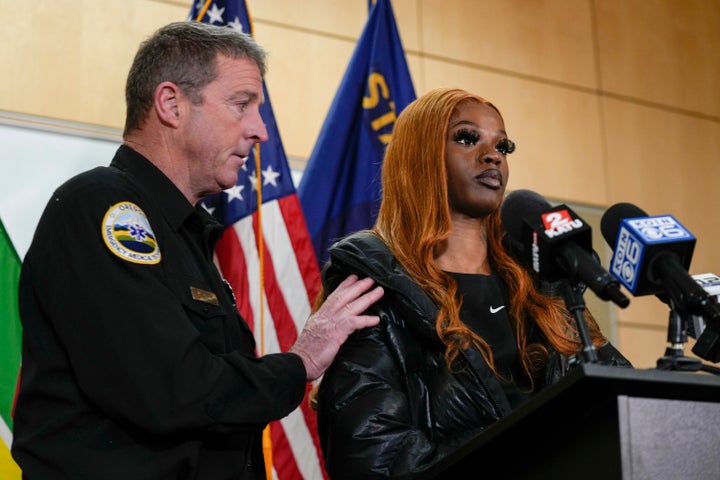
(337, 318)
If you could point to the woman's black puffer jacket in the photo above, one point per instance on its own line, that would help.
(388, 407)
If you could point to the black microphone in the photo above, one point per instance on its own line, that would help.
(710, 282)
(555, 243)
(651, 255)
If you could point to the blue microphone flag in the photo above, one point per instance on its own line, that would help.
(637, 239)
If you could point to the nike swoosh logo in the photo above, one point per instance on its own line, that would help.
(496, 309)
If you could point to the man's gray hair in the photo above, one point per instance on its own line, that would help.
(184, 53)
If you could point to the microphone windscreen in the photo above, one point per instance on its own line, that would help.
(610, 221)
(517, 205)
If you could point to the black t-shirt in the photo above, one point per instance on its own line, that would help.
(485, 310)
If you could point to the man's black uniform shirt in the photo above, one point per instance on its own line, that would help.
(136, 364)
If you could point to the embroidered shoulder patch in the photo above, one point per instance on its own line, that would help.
(127, 233)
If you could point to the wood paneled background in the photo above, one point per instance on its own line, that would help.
(608, 100)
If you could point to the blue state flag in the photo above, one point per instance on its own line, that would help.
(340, 188)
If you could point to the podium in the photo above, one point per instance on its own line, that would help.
(602, 422)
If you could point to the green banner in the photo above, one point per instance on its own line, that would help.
(10, 329)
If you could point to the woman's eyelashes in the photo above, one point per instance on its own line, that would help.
(505, 146)
(465, 136)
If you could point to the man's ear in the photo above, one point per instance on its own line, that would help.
(167, 97)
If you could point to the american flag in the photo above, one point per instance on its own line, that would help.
(267, 257)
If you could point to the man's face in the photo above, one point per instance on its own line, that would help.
(220, 132)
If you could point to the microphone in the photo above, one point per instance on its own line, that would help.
(555, 243)
(710, 282)
(636, 239)
(651, 255)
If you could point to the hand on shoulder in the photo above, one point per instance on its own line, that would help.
(339, 316)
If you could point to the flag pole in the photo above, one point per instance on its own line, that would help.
(236, 244)
(266, 439)
(201, 13)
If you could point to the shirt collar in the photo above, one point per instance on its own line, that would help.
(171, 202)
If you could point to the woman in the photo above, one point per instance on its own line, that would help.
(464, 335)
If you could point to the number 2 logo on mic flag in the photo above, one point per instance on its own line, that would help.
(553, 220)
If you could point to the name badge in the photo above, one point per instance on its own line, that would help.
(204, 296)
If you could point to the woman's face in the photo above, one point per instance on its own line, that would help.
(476, 149)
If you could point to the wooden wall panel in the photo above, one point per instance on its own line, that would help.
(661, 51)
(330, 17)
(642, 345)
(548, 39)
(304, 72)
(70, 63)
(667, 163)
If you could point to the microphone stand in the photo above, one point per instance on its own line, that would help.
(675, 358)
(575, 303)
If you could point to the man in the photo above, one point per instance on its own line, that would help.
(136, 363)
